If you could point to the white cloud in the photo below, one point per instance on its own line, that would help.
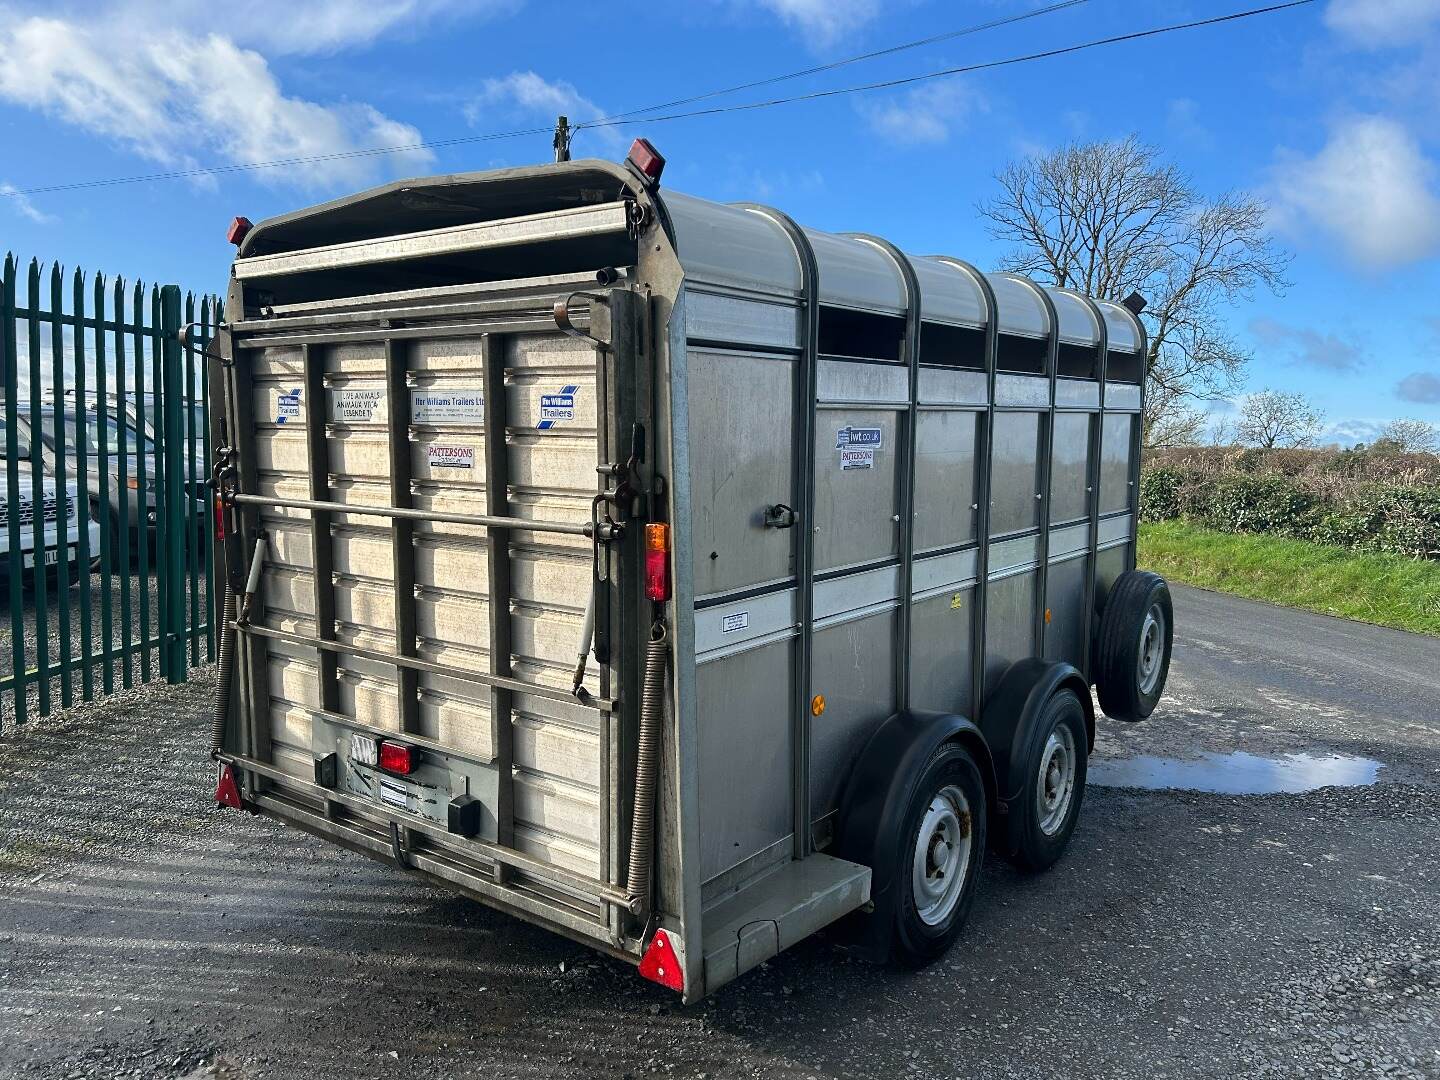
(824, 21)
(177, 98)
(10, 196)
(1369, 187)
(928, 114)
(1182, 117)
(529, 96)
(1378, 23)
(1419, 386)
(1350, 432)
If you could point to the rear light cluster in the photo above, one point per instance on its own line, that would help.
(398, 758)
(657, 561)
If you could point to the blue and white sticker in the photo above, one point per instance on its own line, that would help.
(288, 406)
(873, 437)
(557, 407)
(463, 406)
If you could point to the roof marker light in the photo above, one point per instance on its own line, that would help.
(239, 229)
(646, 159)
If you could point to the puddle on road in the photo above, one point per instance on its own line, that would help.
(1237, 773)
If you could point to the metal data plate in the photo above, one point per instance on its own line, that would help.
(426, 792)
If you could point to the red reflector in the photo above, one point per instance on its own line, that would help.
(239, 229)
(227, 792)
(646, 158)
(219, 519)
(397, 758)
(657, 561)
(661, 965)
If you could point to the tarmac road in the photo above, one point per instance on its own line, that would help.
(145, 933)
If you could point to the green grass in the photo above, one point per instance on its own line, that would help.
(1384, 589)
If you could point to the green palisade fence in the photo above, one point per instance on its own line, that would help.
(107, 531)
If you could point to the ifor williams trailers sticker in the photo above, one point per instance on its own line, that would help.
(288, 406)
(555, 408)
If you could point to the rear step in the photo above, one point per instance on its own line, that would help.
(786, 905)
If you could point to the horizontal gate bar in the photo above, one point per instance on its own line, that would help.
(534, 306)
(563, 224)
(509, 856)
(486, 520)
(537, 324)
(519, 686)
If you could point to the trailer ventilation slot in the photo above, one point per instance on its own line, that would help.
(943, 345)
(862, 334)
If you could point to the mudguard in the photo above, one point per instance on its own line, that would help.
(875, 798)
(1007, 725)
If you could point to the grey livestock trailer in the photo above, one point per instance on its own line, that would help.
(663, 572)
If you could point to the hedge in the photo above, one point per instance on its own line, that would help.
(1245, 496)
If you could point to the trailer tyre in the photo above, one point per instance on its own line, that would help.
(943, 840)
(1132, 650)
(1056, 762)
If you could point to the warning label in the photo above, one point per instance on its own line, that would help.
(288, 407)
(356, 406)
(450, 457)
(738, 621)
(854, 457)
(462, 406)
(870, 437)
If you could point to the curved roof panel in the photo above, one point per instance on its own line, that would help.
(856, 274)
(949, 294)
(733, 246)
(1123, 327)
(1021, 308)
(1077, 321)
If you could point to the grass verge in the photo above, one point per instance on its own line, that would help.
(1384, 589)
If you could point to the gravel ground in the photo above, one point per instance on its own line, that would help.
(97, 585)
(145, 933)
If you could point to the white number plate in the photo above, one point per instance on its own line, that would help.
(364, 749)
(51, 558)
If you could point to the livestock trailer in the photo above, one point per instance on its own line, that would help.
(664, 572)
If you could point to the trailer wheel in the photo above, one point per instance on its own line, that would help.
(1132, 651)
(1055, 768)
(943, 839)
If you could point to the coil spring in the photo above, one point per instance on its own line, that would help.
(647, 762)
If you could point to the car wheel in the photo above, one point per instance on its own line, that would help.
(943, 837)
(1055, 766)
(1132, 657)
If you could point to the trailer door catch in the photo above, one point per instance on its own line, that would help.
(780, 516)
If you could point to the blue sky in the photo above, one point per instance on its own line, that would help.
(1331, 112)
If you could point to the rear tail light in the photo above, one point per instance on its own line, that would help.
(398, 758)
(657, 561)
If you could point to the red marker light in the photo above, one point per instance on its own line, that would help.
(398, 758)
(657, 561)
(219, 518)
(647, 159)
(239, 229)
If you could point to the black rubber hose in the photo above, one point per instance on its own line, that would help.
(227, 670)
(647, 767)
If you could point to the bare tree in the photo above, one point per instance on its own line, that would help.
(1273, 418)
(1408, 436)
(1111, 218)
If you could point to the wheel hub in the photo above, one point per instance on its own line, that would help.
(941, 856)
(1152, 649)
(1055, 789)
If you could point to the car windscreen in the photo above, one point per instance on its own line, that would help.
(22, 441)
(134, 442)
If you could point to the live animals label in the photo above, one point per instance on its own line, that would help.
(450, 457)
(355, 406)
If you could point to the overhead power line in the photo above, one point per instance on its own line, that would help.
(908, 80)
(647, 114)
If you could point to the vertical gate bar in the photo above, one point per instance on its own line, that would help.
(19, 683)
(37, 495)
(194, 490)
(497, 504)
(64, 646)
(144, 481)
(103, 459)
(207, 458)
(1047, 469)
(176, 507)
(402, 532)
(82, 487)
(127, 518)
(322, 550)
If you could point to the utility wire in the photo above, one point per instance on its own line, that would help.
(633, 116)
(908, 80)
(834, 64)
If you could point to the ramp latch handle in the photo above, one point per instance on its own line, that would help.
(780, 516)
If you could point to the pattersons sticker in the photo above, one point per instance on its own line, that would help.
(450, 457)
